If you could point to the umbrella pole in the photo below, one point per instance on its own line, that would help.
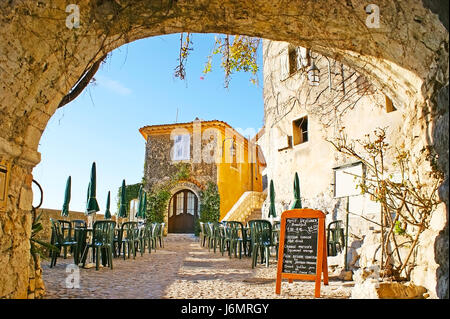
(89, 257)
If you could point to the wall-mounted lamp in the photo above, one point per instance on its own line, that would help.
(313, 74)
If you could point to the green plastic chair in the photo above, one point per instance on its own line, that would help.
(127, 239)
(234, 238)
(139, 240)
(77, 225)
(60, 241)
(335, 238)
(66, 230)
(202, 234)
(261, 240)
(215, 238)
(154, 235)
(207, 231)
(222, 237)
(147, 237)
(102, 243)
(161, 234)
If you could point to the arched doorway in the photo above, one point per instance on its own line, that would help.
(183, 211)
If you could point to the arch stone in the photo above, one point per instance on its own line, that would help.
(41, 59)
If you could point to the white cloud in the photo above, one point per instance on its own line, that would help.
(112, 85)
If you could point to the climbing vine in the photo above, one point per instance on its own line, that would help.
(210, 207)
(157, 201)
(159, 195)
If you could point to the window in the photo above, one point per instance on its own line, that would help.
(389, 105)
(190, 203)
(284, 64)
(181, 148)
(180, 203)
(293, 59)
(300, 130)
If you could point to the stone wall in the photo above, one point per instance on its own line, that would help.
(159, 167)
(41, 59)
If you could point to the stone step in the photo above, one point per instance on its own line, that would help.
(255, 214)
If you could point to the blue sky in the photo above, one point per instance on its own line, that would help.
(136, 87)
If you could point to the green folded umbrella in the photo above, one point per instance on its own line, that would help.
(144, 207)
(272, 211)
(122, 208)
(139, 208)
(65, 207)
(92, 205)
(108, 203)
(297, 200)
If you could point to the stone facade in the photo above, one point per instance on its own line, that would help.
(159, 166)
(41, 59)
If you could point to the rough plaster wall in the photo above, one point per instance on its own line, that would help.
(41, 60)
(315, 159)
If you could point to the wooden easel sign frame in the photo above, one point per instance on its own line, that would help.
(300, 230)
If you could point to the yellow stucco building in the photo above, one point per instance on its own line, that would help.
(214, 152)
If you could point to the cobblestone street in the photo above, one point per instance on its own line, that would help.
(182, 269)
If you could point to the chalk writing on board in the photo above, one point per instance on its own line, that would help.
(300, 246)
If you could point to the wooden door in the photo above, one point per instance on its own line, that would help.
(183, 212)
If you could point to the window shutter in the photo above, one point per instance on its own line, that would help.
(302, 57)
(186, 147)
(177, 148)
(298, 55)
(284, 64)
(181, 148)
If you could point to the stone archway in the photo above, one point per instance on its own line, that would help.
(41, 59)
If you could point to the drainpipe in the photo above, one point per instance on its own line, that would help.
(250, 152)
(329, 74)
(346, 234)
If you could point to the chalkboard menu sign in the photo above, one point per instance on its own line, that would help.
(302, 251)
(300, 246)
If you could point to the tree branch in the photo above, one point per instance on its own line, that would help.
(82, 83)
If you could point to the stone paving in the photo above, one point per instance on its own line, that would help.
(182, 269)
